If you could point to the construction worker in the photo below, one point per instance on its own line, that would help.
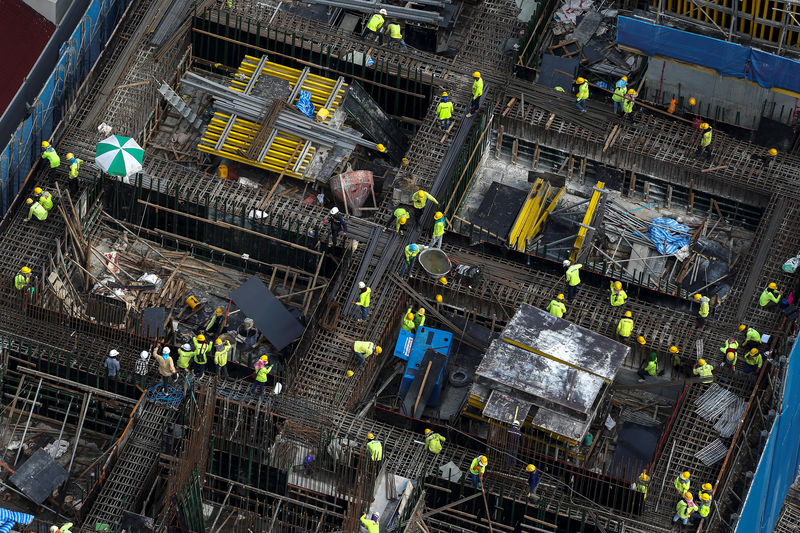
(638, 348)
(112, 365)
(641, 484)
(201, 348)
(705, 141)
(419, 318)
(445, 111)
(682, 482)
(702, 313)
(573, 278)
(677, 361)
(23, 278)
(767, 157)
(374, 26)
(166, 367)
(36, 210)
(49, 153)
(706, 488)
(752, 338)
(752, 361)
(363, 300)
(395, 35)
(400, 218)
(43, 197)
(375, 448)
(705, 507)
(730, 352)
(650, 369)
(364, 349)
(685, 508)
(185, 356)
(74, 165)
(371, 524)
(703, 371)
(214, 325)
(533, 480)
(419, 199)
(262, 371)
(221, 351)
(433, 442)
(477, 91)
(476, 470)
(618, 295)
(625, 326)
(338, 224)
(557, 307)
(583, 94)
(619, 93)
(140, 370)
(627, 105)
(408, 321)
(248, 334)
(438, 229)
(770, 297)
(411, 252)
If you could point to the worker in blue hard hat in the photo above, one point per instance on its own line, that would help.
(411, 252)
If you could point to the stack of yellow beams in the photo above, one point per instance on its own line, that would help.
(285, 148)
(541, 201)
(588, 218)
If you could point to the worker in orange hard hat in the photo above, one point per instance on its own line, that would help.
(477, 92)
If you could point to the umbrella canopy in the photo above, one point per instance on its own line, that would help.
(119, 156)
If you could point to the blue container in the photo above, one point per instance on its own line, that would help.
(411, 348)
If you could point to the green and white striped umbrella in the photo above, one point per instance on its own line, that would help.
(119, 156)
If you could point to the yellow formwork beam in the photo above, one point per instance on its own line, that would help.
(524, 213)
(543, 217)
(587, 218)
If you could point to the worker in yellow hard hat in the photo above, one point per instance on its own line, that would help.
(477, 91)
(35, 209)
(433, 442)
(642, 483)
(49, 153)
(408, 321)
(222, 349)
(556, 306)
(374, 448)
(477, 469)
(583, 94)
(627, 105)
(682, 482)
(419, 318)
(618, 294)
(400, 219)
(263, 368)
(438, 229)
(419, 200)
(364, 349)
(703, 311)
(215, 322)
(705, 141)
(533, 480)
(685, 508)
(201, 349)
(625, 326)
(44, 198)
(445, 111)
(74, 165)
(767, 157)
(770, 297)
(23, 278)
(752, 361)
(703, 370)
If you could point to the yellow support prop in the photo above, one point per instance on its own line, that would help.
(587, 219)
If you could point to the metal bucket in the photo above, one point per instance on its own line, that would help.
(435, 262)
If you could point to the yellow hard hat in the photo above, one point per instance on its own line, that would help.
(443, 280)
(438, 215)
(370, 436)
(701, 362)
(406, 161)
(29, 201)
(631, 91)
(45, 144)
(201, 337)
(381, 148)
(704, 126)
(742, 327)
(640, 340)
(673, 349)
(37, 190)
(530, 468)
(580, 81)
(403, 220)
(730, 356)
(323, 113)
(420, 194)
(685, 475)
(483, 460)
(617, 285)
(70, 155)
(427, 431)
(349, 373)
(753, 351)
(264, 358)
(706, 486)
(218, 341)
(692, 101)
(219, 311)
(560, 296)
(421, 311)
(773, 286)
(687, 495)
(773, 151)
(624, 78)
(25, 270)
(698, 296)
(378, 350)
(410, 316)
(439, 298)
(628, 314)
(444, 93)
(705, 496)
(476, 74)
(644, 477)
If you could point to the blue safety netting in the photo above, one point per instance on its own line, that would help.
(9, 518)
(769, 71)
(304, 104)
(667, 235)
(779, 462)
(728, 59)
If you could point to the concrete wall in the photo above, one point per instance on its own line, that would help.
(726, 99)
(52, 10)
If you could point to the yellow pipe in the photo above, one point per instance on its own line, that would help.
(587, 219)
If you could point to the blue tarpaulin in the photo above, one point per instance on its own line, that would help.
(304, 104)
(770, 71)
(9, 518)
(728, 59)
(667, 235)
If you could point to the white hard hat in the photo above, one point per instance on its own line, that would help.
(362, 285)
(53, 529)
(248, 320)
(376, 515)
(566, 263)
(144, 354)
(334, 210)
(113, 353)
(186, 347)
(383, 12)
(165, 350)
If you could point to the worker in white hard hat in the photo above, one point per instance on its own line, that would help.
(338, 225)
(140, 370)
(374, 26)
(364, 293)
(112, 365)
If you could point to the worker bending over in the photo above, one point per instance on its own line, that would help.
(371, 524)
(703, 371)
(557, 307)
(408, 321)
(364, 349)
(650, 369)
(420, 199)
(400, 219)
(752, 338)
(411, 252)
(36, 210)
(43, 197)
(395, 35)
(702, 313)
(49, 153)
(433, 442)
(770, 297)
(752, 361)
(23, 278)
(374, 25)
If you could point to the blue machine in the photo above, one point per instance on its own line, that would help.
(412, 347)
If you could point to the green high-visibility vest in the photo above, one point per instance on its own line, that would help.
(375, 22)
